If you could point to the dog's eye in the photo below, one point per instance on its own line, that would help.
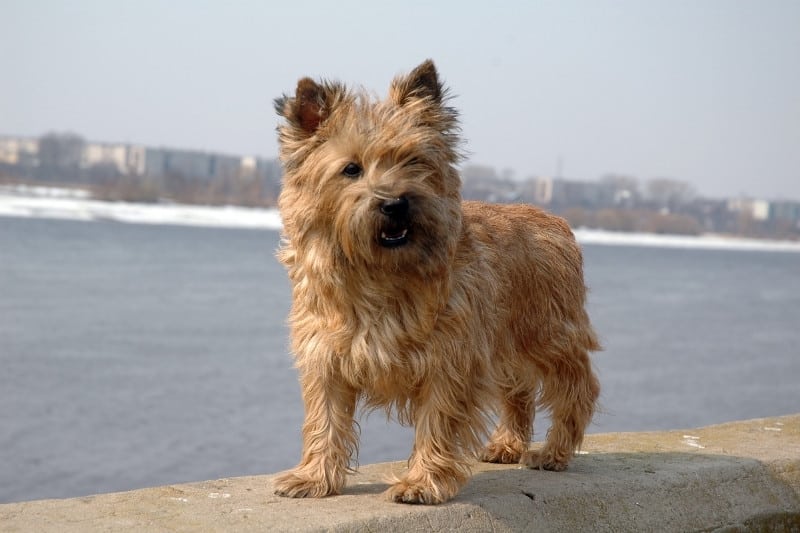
(352, 170)
(411, 162)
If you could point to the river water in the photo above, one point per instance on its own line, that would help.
(140, 355)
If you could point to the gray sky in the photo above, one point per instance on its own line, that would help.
(702, 91)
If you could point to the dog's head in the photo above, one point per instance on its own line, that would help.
(372, 183)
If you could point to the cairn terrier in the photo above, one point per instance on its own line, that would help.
(446, 313)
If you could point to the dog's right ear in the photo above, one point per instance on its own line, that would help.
(309, 107)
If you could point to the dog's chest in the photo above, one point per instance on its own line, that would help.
(386, 347)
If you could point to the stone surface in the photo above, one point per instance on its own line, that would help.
(731, 477)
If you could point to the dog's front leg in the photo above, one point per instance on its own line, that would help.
(438, 466)
(329, 439)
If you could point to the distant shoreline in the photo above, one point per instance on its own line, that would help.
(76, 204)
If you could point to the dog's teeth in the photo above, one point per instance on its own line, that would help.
(394, 238)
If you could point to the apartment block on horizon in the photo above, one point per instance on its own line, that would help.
(54, 157)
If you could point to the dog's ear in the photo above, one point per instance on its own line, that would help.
(422, 91)
(309, 107)
(422, 82)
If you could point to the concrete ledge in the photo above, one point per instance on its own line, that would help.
(739, 476)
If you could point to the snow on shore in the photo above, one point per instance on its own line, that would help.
(77, 205)
(71, 204)
(706, 242)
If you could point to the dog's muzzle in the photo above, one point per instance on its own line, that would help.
(395, 227)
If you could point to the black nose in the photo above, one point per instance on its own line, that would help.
(395, 207)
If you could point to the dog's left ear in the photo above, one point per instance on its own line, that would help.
(422, 82)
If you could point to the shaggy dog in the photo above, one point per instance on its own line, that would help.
(406, 298)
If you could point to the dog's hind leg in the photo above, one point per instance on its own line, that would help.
(570, 390)
(513, 433)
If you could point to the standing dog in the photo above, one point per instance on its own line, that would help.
(408, 299)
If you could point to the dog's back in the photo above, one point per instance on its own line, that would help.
(542, 291)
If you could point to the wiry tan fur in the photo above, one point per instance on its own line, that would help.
(479, 308)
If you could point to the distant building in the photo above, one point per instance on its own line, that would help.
(787, 211)
(19, 151)
(125, 159)
(68, 157)
(248, 167)
(756, 209)
(203, 166)
(570, 193)
(540, 190)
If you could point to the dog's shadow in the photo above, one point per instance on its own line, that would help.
(593, 475)
(366, 488)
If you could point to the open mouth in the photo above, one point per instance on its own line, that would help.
(391, 238)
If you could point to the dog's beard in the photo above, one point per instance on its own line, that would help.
(420, 241)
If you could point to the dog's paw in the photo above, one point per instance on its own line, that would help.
(418, 493)
(500, 453)
(542, 460)
(294, 485)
